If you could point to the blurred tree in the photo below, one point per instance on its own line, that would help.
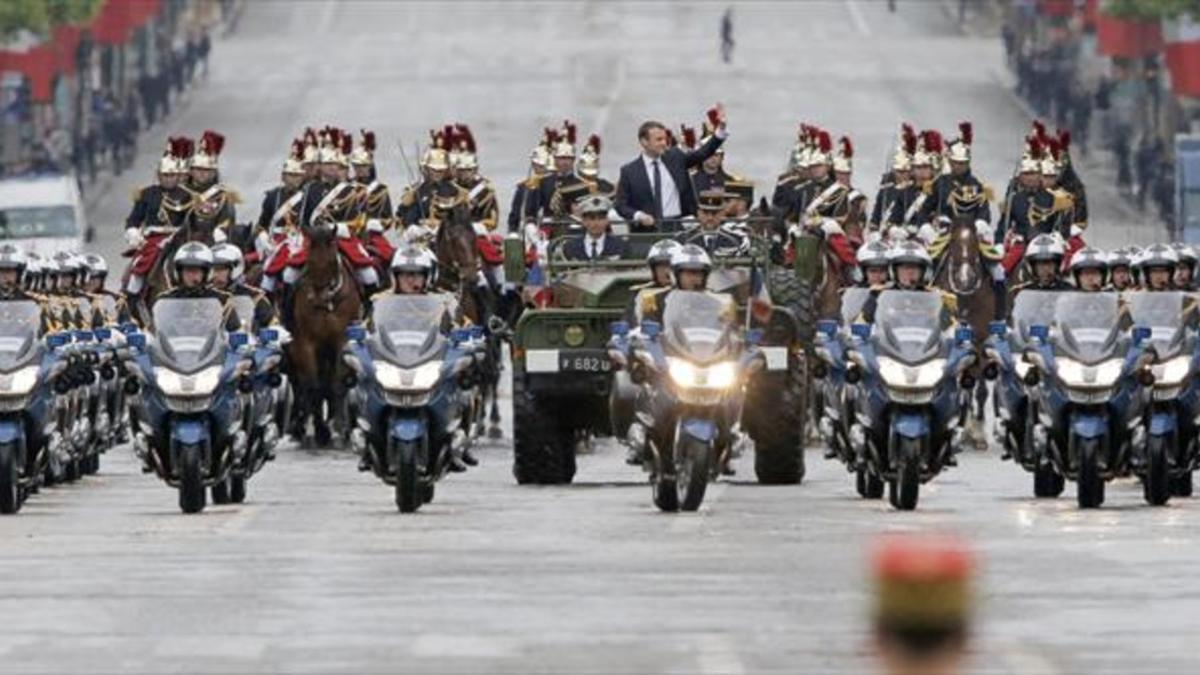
(1152, 10)
(41, 16)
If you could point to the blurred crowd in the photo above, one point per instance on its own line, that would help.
(1119, 106)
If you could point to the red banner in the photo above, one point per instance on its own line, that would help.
(1128, 39)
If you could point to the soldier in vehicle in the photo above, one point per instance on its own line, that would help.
(597, 243)
(1043, 262)
(227, 276)
(659, 260)
(1156, 267)
(1089, 268)
(193, 265)
(1120, 270)
(712, 234)
(1185, 271)
(911, 270)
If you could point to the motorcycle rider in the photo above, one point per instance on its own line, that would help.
(1043, 260)
(1120, 270)
(13, 264)
(659, 261)
(95, 276)
(873, 264)
(1156, 266)
(70, 303)
(227, 276)
(1185, 271)
(193, 264)
(1088, 269)
(911, 270)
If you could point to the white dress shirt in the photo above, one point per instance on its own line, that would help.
(670, 192)
(588, 243)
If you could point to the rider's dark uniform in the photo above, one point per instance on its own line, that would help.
(948, 184)
(155, 205)
(416, 204)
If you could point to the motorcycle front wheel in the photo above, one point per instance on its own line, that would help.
(1089, 484)
(692, 470)
(409, 497)
(905, 488)
(192, 495)
(10, 491)
(1156, 485)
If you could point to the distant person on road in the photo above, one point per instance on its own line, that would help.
(727, 36)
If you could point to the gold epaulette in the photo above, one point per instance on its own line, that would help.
(231, 195)
(649, 303)
(533, 182)
(988, 193)
(950, 302)
(409, 197)
(927, 188)
(1063, 200)
(136, 194)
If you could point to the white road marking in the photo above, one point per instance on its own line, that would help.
(718, 655)
(856, 15)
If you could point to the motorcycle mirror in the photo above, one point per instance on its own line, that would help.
(861, 331)
(1140, 334)
(964, 334)
(137, 340)
(853, 374)
(83, 336)
(268, 335)
(56, 340)
(991, 371)
(651, 329)
(1040, 331)
(274, 380)
(754, 336)
(827, 327)
(619, 328)
(103, 334)
(132, 387)
(356, 333)
(998, 328)
(819, 371)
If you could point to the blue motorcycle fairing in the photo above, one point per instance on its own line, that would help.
(11, 430)
(1163, 422)
(910, 425)
(703, 430)
(409, 428)
(1089, 426)
(189, 431)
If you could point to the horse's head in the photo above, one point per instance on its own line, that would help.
(321, 233)
(455, 246)
(201, 222)
(963, 258)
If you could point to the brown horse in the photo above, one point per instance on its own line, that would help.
(325, 301)
(459, 270)
(962, 270)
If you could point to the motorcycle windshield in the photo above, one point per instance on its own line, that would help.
(908, 325)
(696, 326)
(1032, 308)
(408, 328)
(243, 306)
(20, 323)
(853, 300)
(1162, 313)
(1088, 326)
(188, 332)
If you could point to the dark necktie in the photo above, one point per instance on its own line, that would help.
(658, 212)
(708, 243)
(595, 247)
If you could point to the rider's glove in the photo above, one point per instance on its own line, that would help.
(343, 231)
(133, 237)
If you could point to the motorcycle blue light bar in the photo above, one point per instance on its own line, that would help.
(1040, 331)
(861, 330)
(651, 329)
(620, 328)
(356, 333)
(998, 328)
(827, 326)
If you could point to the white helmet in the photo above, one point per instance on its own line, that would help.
(227, 255)
(193, 254)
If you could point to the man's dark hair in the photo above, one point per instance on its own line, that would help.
(647, 126)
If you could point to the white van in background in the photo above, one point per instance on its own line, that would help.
(42, 214)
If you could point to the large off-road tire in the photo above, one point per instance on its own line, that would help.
(1090, 485)
(543, 450)
(788, 290)
(10, 491)
(775, 417)
(192, 495)
(1156, 484)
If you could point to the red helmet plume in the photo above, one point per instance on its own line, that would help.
(966, 133)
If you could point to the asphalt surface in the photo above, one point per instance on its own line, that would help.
(318, 573)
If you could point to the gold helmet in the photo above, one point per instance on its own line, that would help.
(211, 144)
(565, 145)
(1031, 158)
(822, 151)
(929, 151)
(364, 154)
(843, 161)
(175, 158)
(462, 148)
(905, 149)
(311, 147)
(589, 160)
(959, 149)
(294, 164)
(436, 157)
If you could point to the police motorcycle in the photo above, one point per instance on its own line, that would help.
(694, 366)
(1164, 449)
(411, 392)
(833, 395)
(913, 391)
(1087, 369)
(191, 379)
(1016, 390)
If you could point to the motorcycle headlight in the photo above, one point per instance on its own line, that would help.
(1171, 373)
(21, 382)
(717, 376)
(202, 383)
(923, 376)
(1075, 374)
(420, 378)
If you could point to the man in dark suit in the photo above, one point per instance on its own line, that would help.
(597, 243)
(655, 189)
